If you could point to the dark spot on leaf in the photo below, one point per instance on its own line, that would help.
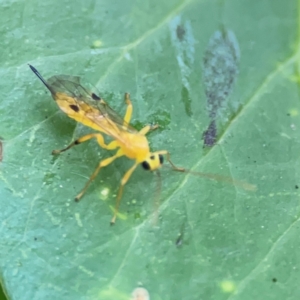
(152, 157)
(210, 135)
(180, 237)
(296, 187)
(185, 98)
(35, 239)
(220, 69)
(274, 279)
(288, 114)
(180, 32)
(74, 107)
(178, 241)
(95, 97)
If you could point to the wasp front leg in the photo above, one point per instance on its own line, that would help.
(148, 128)
(101, 165)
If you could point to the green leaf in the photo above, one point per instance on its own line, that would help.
(212, 240)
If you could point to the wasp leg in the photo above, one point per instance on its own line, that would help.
(102, 164)
(120, 192)
(148, 128)
(128, 113)
(85, 138)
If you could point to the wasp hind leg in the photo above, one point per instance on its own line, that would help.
(111, 146)
(85, 138)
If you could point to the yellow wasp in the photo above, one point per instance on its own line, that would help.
(91, 110)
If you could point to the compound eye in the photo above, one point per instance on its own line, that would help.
(161, 159)
(146, 165)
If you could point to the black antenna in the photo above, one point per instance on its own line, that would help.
(36, 72)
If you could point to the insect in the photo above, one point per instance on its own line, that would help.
(91, 110)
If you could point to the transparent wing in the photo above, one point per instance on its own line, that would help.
(71, 86)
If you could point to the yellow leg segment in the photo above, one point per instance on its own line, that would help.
(102, 164)
(120, 192)
(147, 128)
(98, 136)
(128, 113)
